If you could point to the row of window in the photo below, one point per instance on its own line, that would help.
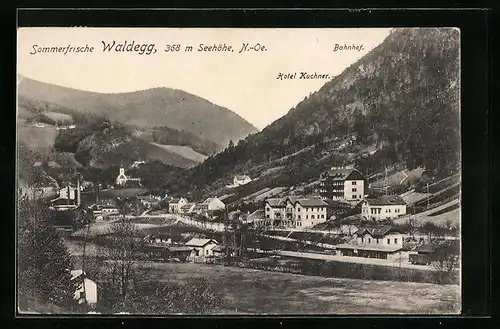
(306, 209)
(374, 211)
(377, 240)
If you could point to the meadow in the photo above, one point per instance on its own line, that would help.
(249, 291)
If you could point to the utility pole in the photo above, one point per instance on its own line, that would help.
(427, 196)
(386, 181)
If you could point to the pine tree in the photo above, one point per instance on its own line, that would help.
(44, 262)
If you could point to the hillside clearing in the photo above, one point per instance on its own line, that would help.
(184, 151)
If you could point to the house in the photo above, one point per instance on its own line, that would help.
(384, 207)
(87, 288)
(149, 200)
(200, 209)
(214, 204)
(106, 207)
(294, 211)
(202, 248)
(165, 252)
(176, 204)
(380, 241)
(187, 208)
(124, 180)
(239, 180)
(342, 184)
(137, 164)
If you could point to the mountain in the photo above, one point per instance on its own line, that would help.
(157, 107)
(399, 104)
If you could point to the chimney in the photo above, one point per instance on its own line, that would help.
(78, 201)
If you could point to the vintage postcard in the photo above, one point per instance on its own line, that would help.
(238, 171)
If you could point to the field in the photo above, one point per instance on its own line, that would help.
(259, 292)
(59, 117)
(184, 151)
(36, 138)
(398, 177)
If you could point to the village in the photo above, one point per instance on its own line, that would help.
(278, 230)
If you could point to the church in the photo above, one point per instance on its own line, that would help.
(123, 180)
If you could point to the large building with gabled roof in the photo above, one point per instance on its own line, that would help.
(342, 184)
(383, 207)
(295, 212)
(378, 241)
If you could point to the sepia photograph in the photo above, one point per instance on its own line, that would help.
(238, 171)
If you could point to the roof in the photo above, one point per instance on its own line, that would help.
(178, 249)
(208, 200)
(386, 200)
(241, 177)
(390, 248)
(377, 231)
(304, 202)
(197, 242)
(343, 173)
(175, 200)
(275, 202)
(76, 273)
(62, 202)
(311, 202)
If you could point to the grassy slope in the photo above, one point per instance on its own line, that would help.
(184, 151)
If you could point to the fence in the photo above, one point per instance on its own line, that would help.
(334, 269)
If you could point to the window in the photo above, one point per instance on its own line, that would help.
(298, 216)
(322, 216)
(267, 216)
(369, 240)
(206, 252)
(354, 196)
(307, 216)
(298, 209)
(397, 210)
(362, 239)
(396, 240)
(354, 189)
(268, 209)
(388, 241)
(377, 240)
(312, 216)
(353, 183)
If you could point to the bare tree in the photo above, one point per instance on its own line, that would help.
(447, 260)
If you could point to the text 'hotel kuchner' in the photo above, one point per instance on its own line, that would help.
(342, 184)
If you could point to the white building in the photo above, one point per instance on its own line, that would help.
(175, 205)
(295, 212)
(123, 179)
(384, 207)
(241, 180)
(213, 204)
(342, 184)
(87, 288)
(202, 248)
(382, 241)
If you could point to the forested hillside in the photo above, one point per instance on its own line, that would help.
(401, 99)
(156, 107)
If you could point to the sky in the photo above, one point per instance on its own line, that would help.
(246, 83)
